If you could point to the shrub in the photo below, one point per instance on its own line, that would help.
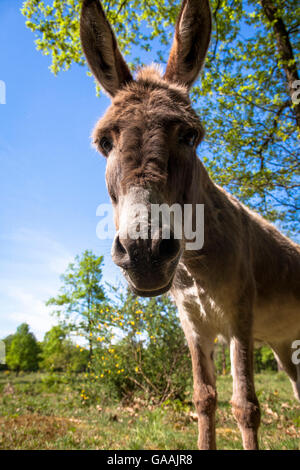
(150, 353)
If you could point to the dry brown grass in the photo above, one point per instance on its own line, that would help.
(17, 432)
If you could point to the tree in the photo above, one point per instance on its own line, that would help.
(60, 354)
(247, 97)
(249, 108)
(23, 351)
(81, 297)
(55, 353)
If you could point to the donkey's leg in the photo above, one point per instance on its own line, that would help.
(201, 345)
(283, 353)
(245, 405)
(205, 394)
(200, 335)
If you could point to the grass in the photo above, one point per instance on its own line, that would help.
(40, 411)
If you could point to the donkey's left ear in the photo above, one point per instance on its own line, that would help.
(100, 47)
(191, 41)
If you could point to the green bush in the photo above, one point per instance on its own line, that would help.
(264, 359)
(148, 354)
(52, 381)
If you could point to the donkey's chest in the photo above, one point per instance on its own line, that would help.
(199, 305)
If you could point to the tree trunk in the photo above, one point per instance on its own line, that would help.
(90, 340)
(90, 327)
(285, 50)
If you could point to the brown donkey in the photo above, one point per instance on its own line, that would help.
(244, 283)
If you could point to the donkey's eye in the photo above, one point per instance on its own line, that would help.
(189, 138)
(113, 197)
(106, 145)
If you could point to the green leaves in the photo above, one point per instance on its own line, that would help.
(251, 134)
(56, 28)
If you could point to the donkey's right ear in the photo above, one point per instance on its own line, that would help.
(100, 47)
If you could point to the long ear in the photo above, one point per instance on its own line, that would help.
(191, 41)
(101, 49)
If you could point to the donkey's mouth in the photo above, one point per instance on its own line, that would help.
(151, 279)
(150, 293)
(145, 291)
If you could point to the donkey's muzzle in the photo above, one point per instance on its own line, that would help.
(148, 265)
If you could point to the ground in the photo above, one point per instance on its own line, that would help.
(39, 411)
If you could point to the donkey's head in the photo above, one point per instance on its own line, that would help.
(149, 137)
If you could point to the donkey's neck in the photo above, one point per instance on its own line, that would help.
(215, 199)
(220, 212)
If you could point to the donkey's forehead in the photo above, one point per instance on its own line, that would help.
(149, 97)
(149, 83)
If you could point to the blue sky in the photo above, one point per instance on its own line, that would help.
(51, 179)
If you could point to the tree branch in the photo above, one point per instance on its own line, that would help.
(285, 50)
(271, 133)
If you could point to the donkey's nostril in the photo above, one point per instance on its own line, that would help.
(169, 248)
(120, 253)
(119, 247)
(133, 254)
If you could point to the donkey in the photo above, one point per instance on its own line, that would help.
(244, 283)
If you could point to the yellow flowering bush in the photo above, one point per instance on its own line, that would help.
(134, 348)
